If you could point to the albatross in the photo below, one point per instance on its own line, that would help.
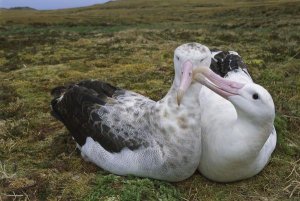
(237, 116)
(126, 133)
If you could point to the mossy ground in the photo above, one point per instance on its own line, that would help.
(130, 44)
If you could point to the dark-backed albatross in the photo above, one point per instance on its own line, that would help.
(128, 134)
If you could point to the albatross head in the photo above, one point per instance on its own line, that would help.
(255, 101)
(250, 99)
(187, 58)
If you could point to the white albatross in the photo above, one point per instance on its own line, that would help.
(128, 134)
(238, 136)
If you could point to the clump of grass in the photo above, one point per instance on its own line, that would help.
(112, 187)
(292, 187)
(5, 172)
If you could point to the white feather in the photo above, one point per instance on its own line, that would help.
(234, 149)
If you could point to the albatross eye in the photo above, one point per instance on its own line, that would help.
(177, 57)
(255, 96)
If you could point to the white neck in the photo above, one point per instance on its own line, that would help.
(190, 99)
(246, 136)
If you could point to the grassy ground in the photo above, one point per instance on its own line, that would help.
(130, 44)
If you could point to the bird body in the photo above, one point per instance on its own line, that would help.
(160, 140)
(128, 134)
(238, 135)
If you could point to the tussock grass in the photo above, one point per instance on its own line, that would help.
(130, 44)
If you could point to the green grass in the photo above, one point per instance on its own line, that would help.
(111, 187)
(130, 44)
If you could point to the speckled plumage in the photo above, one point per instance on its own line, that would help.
(126, 133)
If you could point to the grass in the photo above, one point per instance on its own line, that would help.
(112, 187)
(130, 44)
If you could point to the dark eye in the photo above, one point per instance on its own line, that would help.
(202, 59)
(177, 57)
(255, 96)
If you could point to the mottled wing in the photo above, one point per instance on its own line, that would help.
(103, 112)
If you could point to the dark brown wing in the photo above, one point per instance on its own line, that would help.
(84, 109)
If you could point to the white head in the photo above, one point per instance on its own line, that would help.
(250, 100)
(254, 101)
(187, 58)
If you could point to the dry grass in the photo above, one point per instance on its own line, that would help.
(293, 183)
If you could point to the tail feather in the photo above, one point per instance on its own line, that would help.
(57, 94)
(58, 91)
(54, 112)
